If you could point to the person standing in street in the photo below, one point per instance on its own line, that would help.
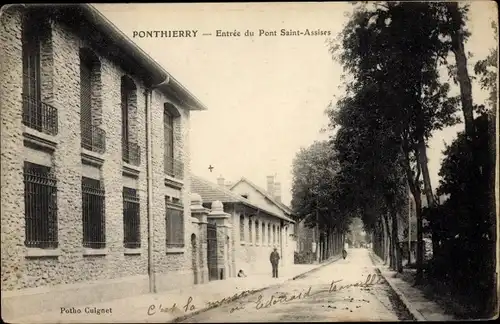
(275, 259)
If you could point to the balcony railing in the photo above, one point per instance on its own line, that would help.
(93, 138)
(39, 115)
(131, 153)
(174, 168)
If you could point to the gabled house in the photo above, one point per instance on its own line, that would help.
(256, 229)
(271, 200)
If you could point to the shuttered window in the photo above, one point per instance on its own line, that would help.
(131, 219)
(32, 113)
(125, 101)
(174, 219)
(257, 236)
(86, 102)
(242, 228)
(168, 134)
(250, 236)
(263, 233)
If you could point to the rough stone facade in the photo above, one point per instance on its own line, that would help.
(115, 271)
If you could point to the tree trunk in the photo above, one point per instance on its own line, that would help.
(457, 42)
(389, 242)
(420, 240)
(413, 183)
(422, 160)
(398, 257)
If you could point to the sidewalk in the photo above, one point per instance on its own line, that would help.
(173, 305)
(414, 300)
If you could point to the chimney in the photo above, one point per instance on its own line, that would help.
(277, 191)
(220, 181)
(270, 185)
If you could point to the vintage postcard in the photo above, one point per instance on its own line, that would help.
(249, 162)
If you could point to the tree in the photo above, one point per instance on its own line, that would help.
(469, 236)
(394, 50)
(313, 187)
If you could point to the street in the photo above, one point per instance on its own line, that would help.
(346, 290)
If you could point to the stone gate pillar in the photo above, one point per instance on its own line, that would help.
(221, 219)
(200, 213)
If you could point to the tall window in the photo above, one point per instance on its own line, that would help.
(274, 234)
(131, 219)
(263, 233)
(174, 218)
(32, 107)
(85, 99)
(242, 228)
(93, 137)
(130, 149)
(168, 133)
(125, 102)
(93, 215)
(250, 236)
(257, 234)
(269, 234)
(40, 206)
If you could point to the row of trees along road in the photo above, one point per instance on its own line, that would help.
(395, 100)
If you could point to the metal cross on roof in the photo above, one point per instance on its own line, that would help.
(210, 167)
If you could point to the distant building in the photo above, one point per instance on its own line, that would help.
(255, 228)
(271, 200)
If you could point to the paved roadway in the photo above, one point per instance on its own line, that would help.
(315, 298)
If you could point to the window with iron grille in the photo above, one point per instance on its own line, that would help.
(93, 214)
(250, 236)
(242, 228)
(257, 234)
(269, 234)
(40, 206)
(263, 233)
(174, 219)
(131, 219)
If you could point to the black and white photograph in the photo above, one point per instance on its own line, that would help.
(249, 162)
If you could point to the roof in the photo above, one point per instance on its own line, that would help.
(263, 192)
(210, 191)
(103, 34)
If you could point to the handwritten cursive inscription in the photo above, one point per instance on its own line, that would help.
(261, 302)
(285, 298)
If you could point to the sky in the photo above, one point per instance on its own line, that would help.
(266, 95)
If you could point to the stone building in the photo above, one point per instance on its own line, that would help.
(255, 230)
(95, 163)
(271, 200)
